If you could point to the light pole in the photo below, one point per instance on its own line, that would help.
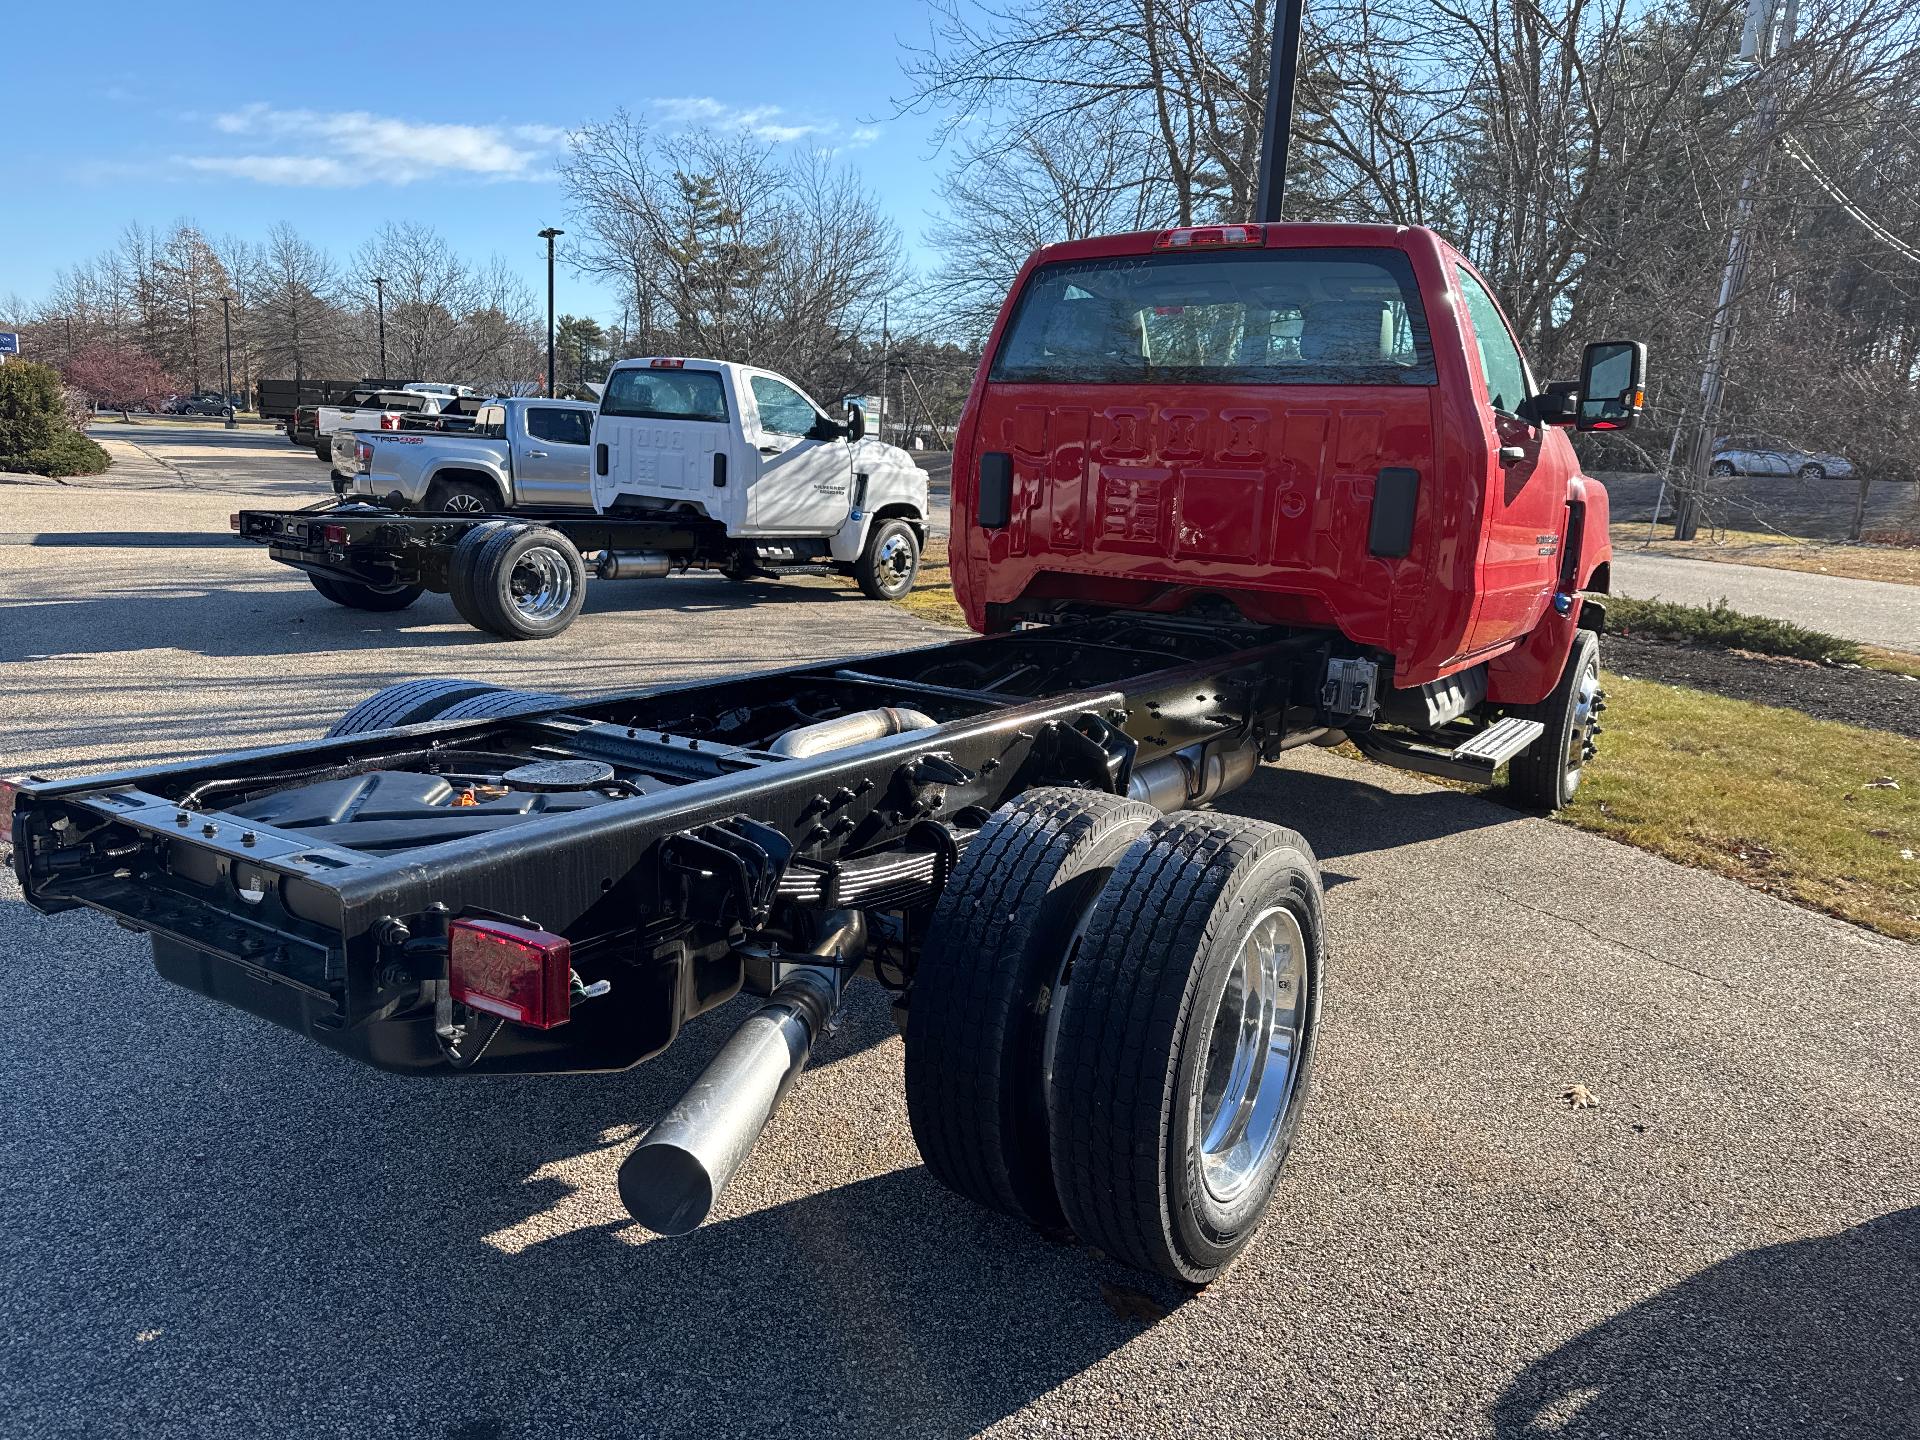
(226, 324)
(550, 235)
(69, 322)
(380, 299)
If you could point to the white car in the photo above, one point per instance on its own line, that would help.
(1731, 458)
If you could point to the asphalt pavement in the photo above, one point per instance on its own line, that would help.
(1873, 611)
(214, 1228)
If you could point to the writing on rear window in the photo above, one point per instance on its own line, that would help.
(1268, 317)
(665, 395)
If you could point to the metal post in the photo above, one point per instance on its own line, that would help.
(1270, 196)
(886, 347)
(69, 323)
(226, 325)
(549, 235)
(380, 300)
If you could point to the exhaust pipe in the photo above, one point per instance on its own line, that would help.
(854, 729)
(673, 1178)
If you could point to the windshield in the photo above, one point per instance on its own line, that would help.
(1267, 317)
(665, 395)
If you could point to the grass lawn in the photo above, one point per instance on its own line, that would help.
(1776, 799)
(1784, 802)
(1897, 563)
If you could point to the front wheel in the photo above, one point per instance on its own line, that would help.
(355, 596)
(1547, 773)
(1813, 472)
(1721, 468)
(891, 559)
(1186, 1041)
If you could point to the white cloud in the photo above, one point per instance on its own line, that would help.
(763, 122)
(863, 136)
(355, 147)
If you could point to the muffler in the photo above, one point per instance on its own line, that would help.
(673, 1178)
(634, 565)
(1197, 775)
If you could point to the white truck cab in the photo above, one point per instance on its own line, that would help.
(750, 449)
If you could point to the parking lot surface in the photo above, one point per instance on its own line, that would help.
(215, 1229)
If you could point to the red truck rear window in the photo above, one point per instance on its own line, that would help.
(1267, 317)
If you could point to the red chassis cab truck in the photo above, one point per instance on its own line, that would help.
(1218, 492)
(1320, 426)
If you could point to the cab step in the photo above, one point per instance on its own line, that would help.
(1474, 760)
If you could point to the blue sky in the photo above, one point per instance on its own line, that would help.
(237, 116)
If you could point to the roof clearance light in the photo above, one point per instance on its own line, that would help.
(664, 364)
(1210, 237)
(513, 971)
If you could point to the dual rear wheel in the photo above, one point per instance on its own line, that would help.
(1112, 1024)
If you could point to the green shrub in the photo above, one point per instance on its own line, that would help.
(1722, 626)
(35, 435)
(71, 453)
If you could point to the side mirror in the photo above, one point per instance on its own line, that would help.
(1613, 377)
(856, 424)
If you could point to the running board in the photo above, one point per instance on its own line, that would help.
(1473, 762)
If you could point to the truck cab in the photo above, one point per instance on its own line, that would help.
(750, 449)
(1324, 426)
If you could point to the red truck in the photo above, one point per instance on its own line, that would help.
(1219, 491)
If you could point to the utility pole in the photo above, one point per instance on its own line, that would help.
(69, 323)
(1283, 67)
(1760, 45)
(380, 301)
(550, 235)
(886, 347)
(226, 325)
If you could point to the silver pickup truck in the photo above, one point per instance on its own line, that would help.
(519, 453)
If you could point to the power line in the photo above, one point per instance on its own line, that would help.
(1845, 202)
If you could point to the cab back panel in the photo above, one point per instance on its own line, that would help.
(1265, 493)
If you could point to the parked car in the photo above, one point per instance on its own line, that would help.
(1739, 457)
(204, 402)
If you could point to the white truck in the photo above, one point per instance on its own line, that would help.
(687, 464)
(371, 410)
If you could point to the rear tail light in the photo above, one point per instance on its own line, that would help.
(363, 457)
(334, 534)
(9, 793)
(522, 974)
(665, 364)
(1196, 237)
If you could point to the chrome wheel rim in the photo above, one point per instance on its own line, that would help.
(1253, 1055)
(463, 504)
(895, 562)
(542, 584)
(1588, 701)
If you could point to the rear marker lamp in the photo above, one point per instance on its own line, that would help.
(510, 970)
(233, 521)
(9, 793)
(664, 364)
(334, 534)
(1210, 237)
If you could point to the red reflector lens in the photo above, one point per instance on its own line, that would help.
(524, 975)
(334, 534)
(1210, 236)
(9, 792)
(668, 364)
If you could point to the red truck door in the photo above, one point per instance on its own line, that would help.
(1529, 469)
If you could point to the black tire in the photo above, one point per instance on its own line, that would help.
(889, 561)
(492, 704)
(324, 449)
(462, 497)
(1547, 773)
(356, 596)
(1813, 472)
(1140, 1167)
(460, 568)
(408, 703)
(1721, 468)
(1000, 936)
(527, 583)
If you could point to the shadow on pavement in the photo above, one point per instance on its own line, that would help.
(1812, 1337)
(1341, 815)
